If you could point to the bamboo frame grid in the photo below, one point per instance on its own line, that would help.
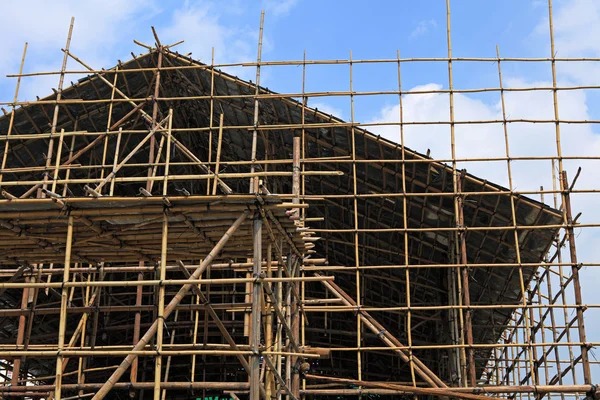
(188, 233)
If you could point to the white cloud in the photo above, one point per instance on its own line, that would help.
(203, 25)
(199, 24)
(278, 7)
(99, 26)
(104, 31)
(575, 29)
(422, 28)
(487, 140)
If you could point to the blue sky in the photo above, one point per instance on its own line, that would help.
(104, 32)
(326, 30)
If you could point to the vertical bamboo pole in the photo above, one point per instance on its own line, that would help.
(269, 324)
(524, 300)
(115, 163)
(168, 367)
(195, 340)
(587, 375)
(161, 308)
(279, 333)
(541, 325)
(356, 227)
(254, 180)
(57, 106)
(108, 123)
(294, 306)
(303, 155)
(458, 208)
(31, 318)
(58, 156)
(562, 282)
(288, 321)
(253, 184)
(256, 310)
(83, 360)
(68, 172)
(453, 299)
(405, 225)
(465, 275)
(63, 309)
(163, 255)
(218, 159)
(210, 135)
(136, 323)
(168, 155)
(20, 336)
(155, 108)
(567, 217)
(12, 114)
(183, 291)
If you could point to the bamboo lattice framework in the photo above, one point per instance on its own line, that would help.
(169, 230)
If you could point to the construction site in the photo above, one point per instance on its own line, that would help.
(171, 231)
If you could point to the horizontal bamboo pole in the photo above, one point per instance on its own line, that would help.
(463, 346)
(342, 308)
(415, 390)
(151, 353)
(6, 390)
(6, 312)
(486, 389)
(32, 270)
(166, 282)
(307, 62)
(319, 161)
(433, 265)
(224, 175)
(494, 192)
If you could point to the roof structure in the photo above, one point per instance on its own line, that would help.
(137, 173)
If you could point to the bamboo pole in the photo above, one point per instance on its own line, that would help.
(16, 370)
(254, 180)
(303, 321)
(111, 176)
(522, 331)
(458, 212)
(155, 109)
(63, 310)
(269, 325)
(587, 376)
(12, 114)
(168, 155)
(160, 318)
(218, 159)
(508, 389)
(57, 106)
(256, 310)
(167, 311)
(168, 366)
(391, 341)
(405, 225)
(405, 389)
(199, 66)
(211, 111)
(110, 111)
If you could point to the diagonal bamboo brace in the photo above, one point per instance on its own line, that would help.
(185, 289)
(425, 373)
(415, 390)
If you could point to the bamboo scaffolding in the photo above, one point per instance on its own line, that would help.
(467, 277)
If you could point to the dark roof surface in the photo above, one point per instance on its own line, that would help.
(377, 210)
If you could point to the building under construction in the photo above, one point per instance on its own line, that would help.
(170, 231)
